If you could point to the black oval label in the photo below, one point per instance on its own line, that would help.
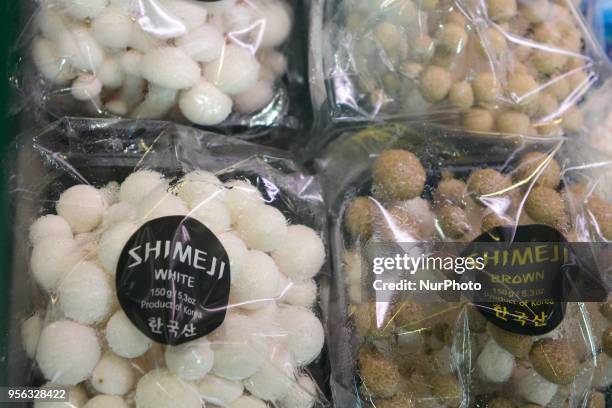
(173, 280)
(524, 278)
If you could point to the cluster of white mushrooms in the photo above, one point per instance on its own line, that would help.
(145, 59)
(258, 355)
(507, 66)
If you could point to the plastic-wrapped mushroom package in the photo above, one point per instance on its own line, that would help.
(497, 66)
(598, 126)
(410, 348)
(171, 269)
(218, 63)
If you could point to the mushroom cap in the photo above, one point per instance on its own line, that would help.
(398, 175)
(554, 360)
(67, 352)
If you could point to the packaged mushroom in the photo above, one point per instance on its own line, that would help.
(218, 64)
(165, 267)
(496, 66)
(463, 270)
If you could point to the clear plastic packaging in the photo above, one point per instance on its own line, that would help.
(496, 66)
(160, 266)
(401, 190)
(598, 120)
(230, 65)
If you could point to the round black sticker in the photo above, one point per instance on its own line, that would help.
(524, 278)
(173, 280)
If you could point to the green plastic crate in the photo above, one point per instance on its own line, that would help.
(8, 33)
